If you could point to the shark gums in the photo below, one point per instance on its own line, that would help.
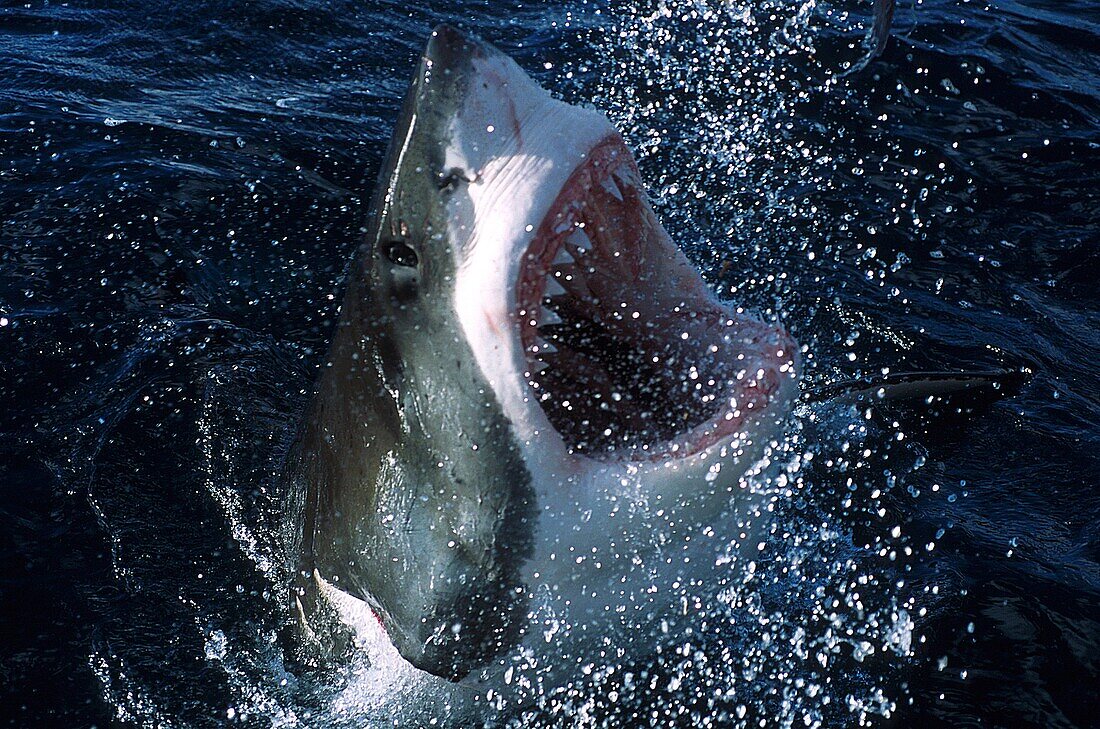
(529, 386)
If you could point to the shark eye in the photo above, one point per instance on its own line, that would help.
(400, 253)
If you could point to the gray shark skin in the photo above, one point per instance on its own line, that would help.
(388, 432)
(520, 352)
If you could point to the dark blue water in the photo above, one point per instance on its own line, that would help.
(181, 187)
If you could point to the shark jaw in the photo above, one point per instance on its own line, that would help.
(530, 387)
(629, 355)
(606, 349)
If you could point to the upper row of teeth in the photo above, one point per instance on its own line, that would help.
(577, 243)
(547, 316)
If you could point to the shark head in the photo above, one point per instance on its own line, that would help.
(522, 350)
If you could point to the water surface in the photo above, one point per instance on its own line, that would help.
(182, 185)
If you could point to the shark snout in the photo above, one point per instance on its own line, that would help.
(449, 49)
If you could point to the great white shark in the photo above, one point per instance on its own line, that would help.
(530, 388)
(525, 370)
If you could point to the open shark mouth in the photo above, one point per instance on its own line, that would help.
(628, 352)
(525, 363)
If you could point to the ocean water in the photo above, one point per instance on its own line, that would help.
(182, 186)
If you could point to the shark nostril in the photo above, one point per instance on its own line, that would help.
(450, 180)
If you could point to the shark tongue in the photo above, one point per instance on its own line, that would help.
(629, 354)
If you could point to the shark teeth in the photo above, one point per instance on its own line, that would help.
(542, 347)
(609, 185)
(562, 258)
(548, 317)
(553, 288)
(579, 241)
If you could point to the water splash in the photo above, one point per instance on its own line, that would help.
(793, 622)
(710, 95)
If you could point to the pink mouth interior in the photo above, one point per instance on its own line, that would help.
(628, 352)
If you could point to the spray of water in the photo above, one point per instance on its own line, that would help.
(794, 609)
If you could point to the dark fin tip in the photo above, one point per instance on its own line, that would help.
(973, 387)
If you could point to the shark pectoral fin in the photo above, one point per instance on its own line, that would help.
(322, 637)
(878, 34)
(928, 388)
(880, 27)
(303, 622)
